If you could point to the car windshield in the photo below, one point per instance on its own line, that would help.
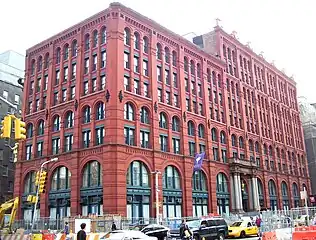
(236, 224)
(193, 224)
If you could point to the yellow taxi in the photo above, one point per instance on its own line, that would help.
(243, 229)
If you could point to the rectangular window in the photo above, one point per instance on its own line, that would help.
(30, 109)
(224, 155)
(5, 94)
(199, 90)
(187, 104)
(99, 135)
(28, 152)
(73, 71)
(136, 64)
(95, 62)
(69, 140)
(55, 98)
(145, 68)
(64, 95)
(175, 80)
(45, 82)
(159, 95)
(44, 103)
(163, 142)
(168, 98)
(146, 93)
(86, 138)
(94, 84)
(31, 89)
(39, 150)
(144, 139)
(55, 145)
(202, 148)
(86, 66)
(159, 78)
(126, 60)
(85, 88)
(126, 83)
(136, 86)
(129, 134)
(167, 77)
(5, 170)
(103, 59)
(186, 82)
(176, 145)
(57, 77)
(215, 154)
(65, 74)
(72, 92)
(37, 104)
(38, 88)
(103, 82)
(192, 149)
(176, 100)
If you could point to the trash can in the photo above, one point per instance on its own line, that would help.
(37, 236)
(48, 236)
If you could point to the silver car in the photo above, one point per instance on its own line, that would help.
(126, 235)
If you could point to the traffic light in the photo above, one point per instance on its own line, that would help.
(15, 152)
(37, 178)
(42, 182)
(31, 199)
(6, 127)
(19, 129)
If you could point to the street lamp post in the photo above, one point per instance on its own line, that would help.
(37, 191)
(157, 193)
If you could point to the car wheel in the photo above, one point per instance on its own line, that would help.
(221, 236)
(242, 234)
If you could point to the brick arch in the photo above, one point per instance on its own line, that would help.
(169, 120)
(226, 173)
(26, 171)
(54, 115)
(140, 158)
(94, 104)
(84, 161)
(194, 122)
(64, 113)
(56, 166)
(83, 107)
(145, 105)
(204, 171)
(167, 163)
(134, 103)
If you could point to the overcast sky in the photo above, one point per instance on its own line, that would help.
(284, 29)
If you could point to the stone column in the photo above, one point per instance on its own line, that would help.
(232, 191)
(251, 200)
(256, 202)
(239, 196)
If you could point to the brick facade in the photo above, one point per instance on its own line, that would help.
(188, 61)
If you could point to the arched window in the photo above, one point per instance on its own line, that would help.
(61, 179)
(167, 55)
(201, 131)
(33, 67)
(214, 135)
(70, 120)
(57, 55)
(222, 194)
(174, 58)
(145, 44)
(39, 63)
(186, 64)
(144, 115)
(66, 51)
(29, 183)
(46, 61)
(260, 192)
(250, 145)
(29, 130)
(87, 42)
(172, 194)
(100, 111)
(137, 175)
(163, 122)
(241, 142)
(265, 149)
(272, 195)
(40, 128)
(138, 190)
(234, 140)
(192, 67)
(296, 195)
(129, 111)
(198, 70)
(159, 51)
(199, 194)
(191, 128)
(175, 124)
(136, 40)
(257, 149)
(223, 137)
(56, 123)
(285, 196)
(91, 192)
(86, 114)
(103, 35)
(270, 151)
(92, 175)
(95, 38)
(127, 36)
(74, 48)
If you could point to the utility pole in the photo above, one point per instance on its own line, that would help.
(157, 193)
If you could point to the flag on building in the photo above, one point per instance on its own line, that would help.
(198, 160)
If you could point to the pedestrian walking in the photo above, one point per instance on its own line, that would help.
(185, 232)
(113, 226)
(66, 228)
(81, 235)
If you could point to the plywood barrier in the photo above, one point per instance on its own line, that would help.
(269, 236)
(304, 235)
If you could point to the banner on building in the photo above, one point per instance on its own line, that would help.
(198, 161)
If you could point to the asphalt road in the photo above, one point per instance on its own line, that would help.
(249, 238)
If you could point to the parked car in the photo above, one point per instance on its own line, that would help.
(156, 230)
(213, 228)
(243, 229)
(126, 235)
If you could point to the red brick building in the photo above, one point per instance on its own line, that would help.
(118, 97)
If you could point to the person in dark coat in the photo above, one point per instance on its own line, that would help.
(66, 228)
(113, 226)
(184, 230)
(81, 235)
